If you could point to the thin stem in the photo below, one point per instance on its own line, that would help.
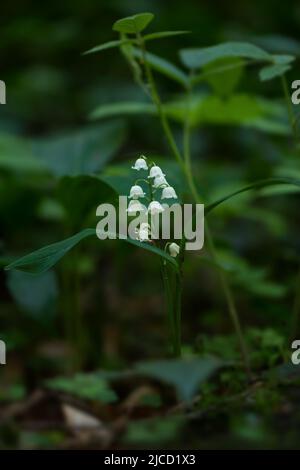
(157, 101)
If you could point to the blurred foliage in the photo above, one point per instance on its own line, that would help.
(71, 125)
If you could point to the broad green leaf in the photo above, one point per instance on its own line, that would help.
(239, 109)
(283, 59)
(186, 375)
(43, 259)
(80, 152)
(271, 71)
(198, 57)
(87, 386)
(278, 44)
(250, 187)
(16, 155)
(22, 286)
(163, 66)
(224, 83)
(88, 192)
(107, 45)
(126, 108)
(163, 34)
(133, 24)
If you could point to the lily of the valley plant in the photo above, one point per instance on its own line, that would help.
(148, 203)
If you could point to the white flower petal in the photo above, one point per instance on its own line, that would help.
(159, 182)
(155, 171)
(155, 207)
(169, 193)
(140, 164)
(136, 192)
(174, 249)
(135, 206)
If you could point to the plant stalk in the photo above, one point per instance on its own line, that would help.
(185, 165)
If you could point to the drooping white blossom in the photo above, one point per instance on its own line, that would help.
(174, 249)
(155, 171)
(140, 164)
(155, 207)
(135, 206)
(136, 191)
(169, 193)
(159, 182)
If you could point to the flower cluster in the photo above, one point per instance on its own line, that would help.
(156, 181)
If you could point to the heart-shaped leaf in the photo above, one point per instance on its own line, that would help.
(133, 24)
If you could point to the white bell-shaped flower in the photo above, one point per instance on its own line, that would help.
(159, 182)
(174, 249)
(155, 207)
(135, 206)
(143, 232)
(155, 171)
(140, 164)
(136, 191)
(169, 193)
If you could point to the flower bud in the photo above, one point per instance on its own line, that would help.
(140, 164)
(136, 192)
(155, 171)
(159, 181)
(155, 207)
(169, 193)
(174, 249)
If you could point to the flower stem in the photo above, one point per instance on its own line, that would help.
(185, 165)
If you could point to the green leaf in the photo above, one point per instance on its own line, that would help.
(198, 57)
(16, 156)
(87, 386)
(163, 34)
(22, 285)
(133, 24)
(272, 71)
(126, 108)
(239, 109)
(89, 192)
(122, 42)
(225, 82)
(164, 67)
(186, 375)
(283, 59)
(43, 259)
(107, 45)
(250, 187)
(80, 152)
